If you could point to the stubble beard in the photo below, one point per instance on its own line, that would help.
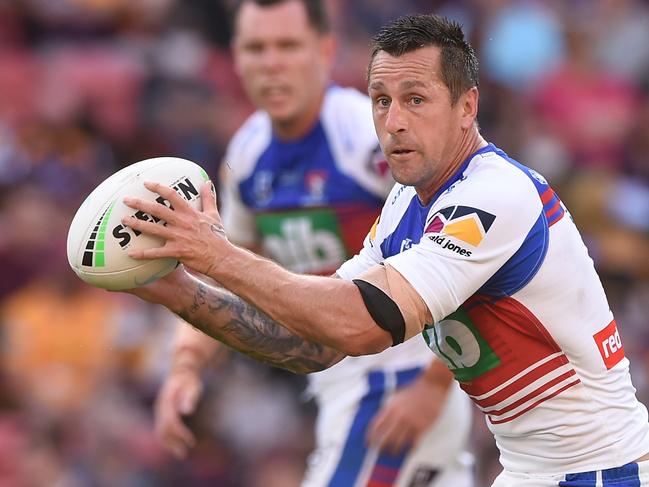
(412, 173)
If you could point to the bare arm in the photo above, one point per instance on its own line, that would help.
(229, 319)
(242, 327)
(182, 388)
(192, 349)
(321, 310)
(411, 411)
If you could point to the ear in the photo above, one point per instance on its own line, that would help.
(328, 48)
(234, 50)
(469, 107)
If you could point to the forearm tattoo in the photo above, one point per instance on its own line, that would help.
(231, 320)
(218, 230)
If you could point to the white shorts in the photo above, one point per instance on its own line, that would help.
(629, 475)
(342, 458)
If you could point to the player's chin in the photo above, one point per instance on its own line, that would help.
(402, 176)
(407, 172)
(282, 112)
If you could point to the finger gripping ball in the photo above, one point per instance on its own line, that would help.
(98, 242)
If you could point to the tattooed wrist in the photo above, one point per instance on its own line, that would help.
(231, 320)
(199, 298)
(218, 230)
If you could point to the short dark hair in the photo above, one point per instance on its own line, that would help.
(315, 9)
(459, 63)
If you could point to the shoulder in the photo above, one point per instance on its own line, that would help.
(495, 183)
(347, 118)
(495, 200)
(347, 122)
(353, 102)
(247, 145)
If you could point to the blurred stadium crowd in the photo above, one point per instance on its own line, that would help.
(89, 86)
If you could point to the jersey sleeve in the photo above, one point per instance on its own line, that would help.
(347, 119)
(237, 219)
(470, 236)
(239, 162)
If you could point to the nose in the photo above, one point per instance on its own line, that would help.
(271, 59)
(395, 121)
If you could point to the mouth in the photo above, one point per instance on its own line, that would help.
(400, 152)
(274, 91)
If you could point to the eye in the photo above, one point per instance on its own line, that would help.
(417, 100)
(383, 102)
(289, 45)
(253, 48)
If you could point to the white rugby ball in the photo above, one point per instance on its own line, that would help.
(98, 242)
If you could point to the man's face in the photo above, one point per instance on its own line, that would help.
(418, 129)
(283, 62)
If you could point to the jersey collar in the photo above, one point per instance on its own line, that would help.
(459, 173)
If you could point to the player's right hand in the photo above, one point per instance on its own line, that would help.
(178, 397)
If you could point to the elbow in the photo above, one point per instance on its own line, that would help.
(301, 367)
(365, 337)
(365, 343)
(308, 364)
(362, 349)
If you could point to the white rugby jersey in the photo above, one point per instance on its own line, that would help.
(310, 202)
(521, 316)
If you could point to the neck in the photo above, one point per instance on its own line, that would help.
(470, 143)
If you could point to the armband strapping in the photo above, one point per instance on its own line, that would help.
(383, 310)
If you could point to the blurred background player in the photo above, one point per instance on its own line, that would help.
(303, 180)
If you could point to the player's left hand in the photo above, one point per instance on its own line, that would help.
(406, 416)
(195, 238)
